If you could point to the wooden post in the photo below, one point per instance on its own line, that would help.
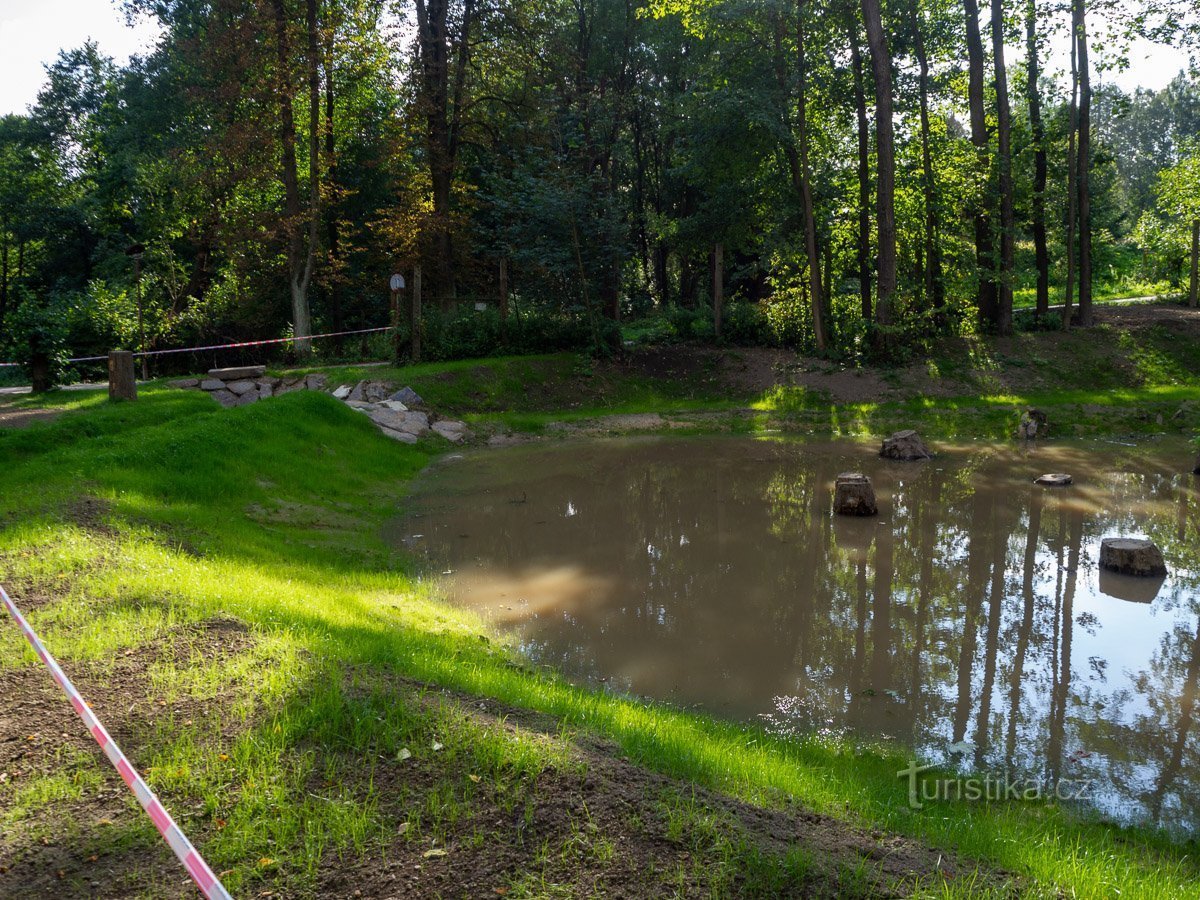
(122, 385)
(718, 287)
(415, 336)
(396, 343)
(503, 290)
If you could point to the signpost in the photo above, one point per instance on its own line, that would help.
(396, 284)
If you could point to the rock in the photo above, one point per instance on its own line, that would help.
(853, 495)
(225, 398)
(186, 383)
(288, 386)
(1058, 479)
(394, 405)
(356, 393)
(342, 393)
(1033, 423)
(316, 382)
(361, 405)
(408, 397)
(265, 390)
(375, 392)
(238, 374)
(247, 398)
(402, 436)
(242, 387)
(1132, 556)
(414, 423)
(451, 430)
(906, 446)
(212, 384)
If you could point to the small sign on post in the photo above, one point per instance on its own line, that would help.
(396, 284)
(122, 384)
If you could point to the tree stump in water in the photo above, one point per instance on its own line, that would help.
(1058, 479)
(905, 446)
(1132, 556)
(122, 385)
(854, 495)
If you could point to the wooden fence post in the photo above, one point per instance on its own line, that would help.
(122, 384)
(415, 337)
(718, 287)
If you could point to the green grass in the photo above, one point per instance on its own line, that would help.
(278, 771)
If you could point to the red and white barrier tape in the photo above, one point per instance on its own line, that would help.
(210, 886)
(262, 343)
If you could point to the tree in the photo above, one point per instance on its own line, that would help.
(1040, 157)
(1179, 198)
(1003, 312)
(987, 298)
(885, 151)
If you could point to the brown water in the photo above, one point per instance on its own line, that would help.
(967, 622)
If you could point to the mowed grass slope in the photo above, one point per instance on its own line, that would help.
(138, 531)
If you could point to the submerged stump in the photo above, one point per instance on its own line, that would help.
(905, 446)
(854, 495)
(1132, 556)
(1056, 479)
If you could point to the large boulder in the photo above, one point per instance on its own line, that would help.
(451, 430)
(1132, 556)
(905, 446)
(408, 397)
(237, 374)
(853, 495)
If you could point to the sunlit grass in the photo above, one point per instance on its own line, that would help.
(339, 629)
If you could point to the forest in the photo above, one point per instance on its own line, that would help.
(851, 181)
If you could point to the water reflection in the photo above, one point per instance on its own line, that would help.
(968, 621)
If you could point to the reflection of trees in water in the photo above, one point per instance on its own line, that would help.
(956, 616)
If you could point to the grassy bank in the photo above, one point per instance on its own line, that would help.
(217, 583)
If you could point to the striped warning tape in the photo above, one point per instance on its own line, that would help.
(210, 886)
(262, 343)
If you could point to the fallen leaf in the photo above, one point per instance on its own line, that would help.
(265, 862)
(403, 829)
(224, 757)
(475, 778)
(438, 746)
(404, 754)
(435, 854)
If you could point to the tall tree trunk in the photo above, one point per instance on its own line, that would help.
(864, 176)
(934, 289)
(1085, 164)
(986, 299)
(1040, 163)
(1072, 193)
(443, 121)
(301, 258)
(885, 207)
(1008, 224)
(806, 197)
(331, 175)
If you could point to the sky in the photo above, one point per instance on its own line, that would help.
(33, 31)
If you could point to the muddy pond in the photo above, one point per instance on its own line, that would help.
(968, 622)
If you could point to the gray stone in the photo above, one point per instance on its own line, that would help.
(906, 446)
(316, 382)
(395, 405)
(265, 390)
(238, 373)
(384, 418)
(288, 386)
(242, 387)
(854, 495)
(1056, 479)
(402, 436)
(415, 423)
(450, 430)
(1132, 556)
(186, 383)
(375, 392)
(246, 399)
(342, 393)
(408, 397)
(224, 397)
(356, 393)
(212, 384)
(1033, 424)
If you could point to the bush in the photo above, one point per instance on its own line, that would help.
(38, 342)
